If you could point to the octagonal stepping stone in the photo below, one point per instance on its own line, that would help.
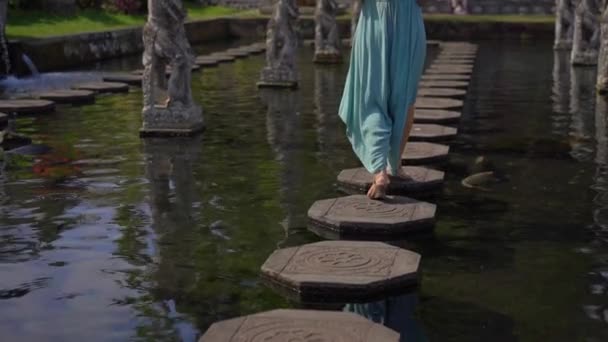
(286, 325)
(432, 132)
(421, 180)
(261, 46)
(433, 70)
(433, 42)
(435, 116)
(237, 53)
(443, 84)
(424, 153)
(442, 92)
(104, 87)
(130, 79)
(68, 96)
(27, 106)
(341, 271)
(222, 57)
(446, 77)
(469, 57)
(454, 61)
(439, 66)
(437, 103)
(206, 61)
(254, 48)
(357, 217)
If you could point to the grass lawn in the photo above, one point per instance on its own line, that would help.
(31, 24)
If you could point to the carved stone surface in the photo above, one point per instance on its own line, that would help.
(130, 79)
(455, 60)
(435, 116)
(168, 107)
(301, 326)
(358, 217)
(564, 24)
(431, 132)
(327, 35)
(442, 92)
(23, 106)
(602, 68)
(452, 69)
(424, 153)
(443, 84)
(437, 103)
(586, 39)
(68, 96)
(281, 44)
(420, 180)
(447, 77)
(103, 87)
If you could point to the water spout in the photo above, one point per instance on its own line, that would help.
(30, 65)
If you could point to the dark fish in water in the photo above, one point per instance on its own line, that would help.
(31, 150)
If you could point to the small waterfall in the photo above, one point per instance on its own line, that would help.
(30, 65)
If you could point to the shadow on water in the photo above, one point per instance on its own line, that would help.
(119, 238)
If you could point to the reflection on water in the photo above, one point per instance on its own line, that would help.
(397, 313)
(119, 238)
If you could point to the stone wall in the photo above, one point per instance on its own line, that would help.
(443, 6)
(494, 6)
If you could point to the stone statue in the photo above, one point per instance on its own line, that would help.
(281, 45)
(327, 36)
(459, 6)
(602, 61)
(356, 13)
(586, 38)
(564, 24)
(168, 105)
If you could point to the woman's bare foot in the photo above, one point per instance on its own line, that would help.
(379, 186)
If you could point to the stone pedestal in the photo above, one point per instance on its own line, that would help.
(174, 120)
(327, 57)
(278, 77)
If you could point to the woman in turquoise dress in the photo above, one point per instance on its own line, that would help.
(387, 59)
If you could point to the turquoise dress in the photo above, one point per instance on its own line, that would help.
(387, 60)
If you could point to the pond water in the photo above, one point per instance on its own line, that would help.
(113, 238)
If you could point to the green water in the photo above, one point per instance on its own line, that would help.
(111, 238)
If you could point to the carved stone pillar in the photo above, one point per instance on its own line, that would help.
(169, 109)
(586, 39)
(602, 67)
(327, 36)
(281, 46)
(564, 24)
